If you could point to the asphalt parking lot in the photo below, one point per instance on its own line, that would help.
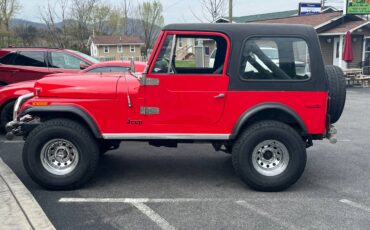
(194, 187)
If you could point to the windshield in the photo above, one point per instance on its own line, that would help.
(91, 59)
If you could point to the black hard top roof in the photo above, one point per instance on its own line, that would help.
(242, 30)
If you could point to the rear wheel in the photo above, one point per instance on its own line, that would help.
(6, 114)
(269, 156)
(60, 154)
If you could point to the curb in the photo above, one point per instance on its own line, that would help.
(20, 204)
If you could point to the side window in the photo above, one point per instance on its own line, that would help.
(8, 59)
(30, 58)
(275, 58)
(192, 54)
(65, 61)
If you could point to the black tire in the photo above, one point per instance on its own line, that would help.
(6, 114)
(65, 130)
(243, 157)
(337, 92)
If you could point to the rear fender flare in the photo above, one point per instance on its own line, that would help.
(265, 106)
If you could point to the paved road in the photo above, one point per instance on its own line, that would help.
(194, 187)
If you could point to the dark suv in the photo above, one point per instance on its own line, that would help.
(23, 64)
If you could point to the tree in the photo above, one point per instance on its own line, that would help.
(57, 34)
(27, 34)
(151, 17)
(8, 9)
(100, 15)
(213, 9)
(126, 13)
(81, 17)
(114, 22)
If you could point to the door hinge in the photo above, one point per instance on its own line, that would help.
(149, 110)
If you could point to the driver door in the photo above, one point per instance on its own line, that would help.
(188, 95)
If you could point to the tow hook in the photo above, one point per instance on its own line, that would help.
(331, 135)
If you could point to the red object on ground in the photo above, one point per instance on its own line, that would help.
(347, 55)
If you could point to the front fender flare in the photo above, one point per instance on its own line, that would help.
(66, 109)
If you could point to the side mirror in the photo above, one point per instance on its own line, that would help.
(83, 66)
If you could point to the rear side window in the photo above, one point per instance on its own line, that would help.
(30, 58)
(8, 59)
(275, 58)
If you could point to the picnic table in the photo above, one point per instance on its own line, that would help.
(355, 77)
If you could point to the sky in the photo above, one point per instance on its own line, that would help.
(187, 11)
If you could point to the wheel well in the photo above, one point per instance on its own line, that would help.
(3, 83)
(276, 115)
(7, 102)
(44, 116)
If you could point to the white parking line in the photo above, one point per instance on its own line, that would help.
(13, 142)
(344, 140)
(136, 200)
(355, 205)
(276, 220)
(138, 203)
(162, 223)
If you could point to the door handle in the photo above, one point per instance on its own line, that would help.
(221, 95)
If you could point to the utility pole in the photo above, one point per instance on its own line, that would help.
(230, 11)
(322, 4)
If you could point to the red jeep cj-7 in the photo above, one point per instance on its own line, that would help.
(263, 95)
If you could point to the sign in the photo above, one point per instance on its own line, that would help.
(358, 6)
(309, 8)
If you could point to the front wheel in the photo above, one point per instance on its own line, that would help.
(269, 156)
(60, 154)
(6, 114)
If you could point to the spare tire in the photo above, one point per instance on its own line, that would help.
(337, 92)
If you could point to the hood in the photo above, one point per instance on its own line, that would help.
(13, 91)
(19, 85)
(97, 86)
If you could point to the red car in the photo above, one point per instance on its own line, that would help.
(24, 64)
(9, 93)
(264, 111)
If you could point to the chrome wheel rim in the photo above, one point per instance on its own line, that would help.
(270, 158)
(59, 157)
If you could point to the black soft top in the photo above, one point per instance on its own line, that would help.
(239, 31)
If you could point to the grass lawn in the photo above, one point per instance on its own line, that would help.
(185, 63)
